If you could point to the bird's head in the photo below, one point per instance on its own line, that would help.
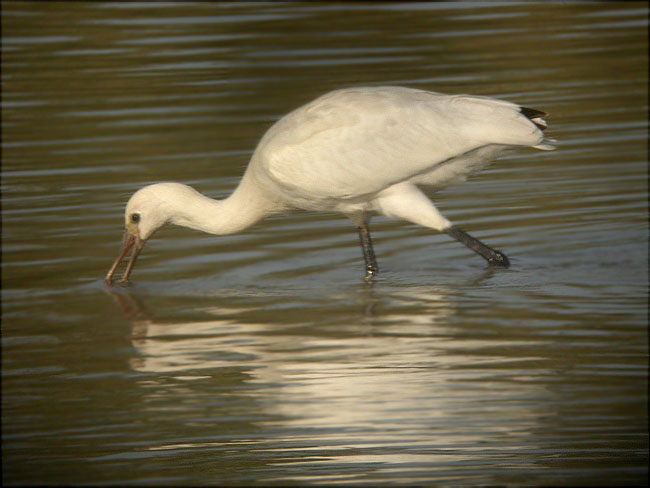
(147, 210)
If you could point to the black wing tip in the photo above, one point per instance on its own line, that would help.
(531, 113)
(535, 116)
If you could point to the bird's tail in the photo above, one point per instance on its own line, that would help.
(535, 116)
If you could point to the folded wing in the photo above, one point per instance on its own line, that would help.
(354, 142)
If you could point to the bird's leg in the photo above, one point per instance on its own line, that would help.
(492, 256)
(368, 252)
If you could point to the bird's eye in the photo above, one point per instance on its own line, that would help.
(135, 218)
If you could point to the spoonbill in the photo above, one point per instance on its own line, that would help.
(358, 151)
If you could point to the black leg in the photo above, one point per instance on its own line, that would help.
(368, 253)
(492, 256)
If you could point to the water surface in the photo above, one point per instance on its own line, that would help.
(263, 358)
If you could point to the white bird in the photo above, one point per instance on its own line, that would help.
(357, 151)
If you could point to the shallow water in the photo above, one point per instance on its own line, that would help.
(264, 358)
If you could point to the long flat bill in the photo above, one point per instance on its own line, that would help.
(129, 242)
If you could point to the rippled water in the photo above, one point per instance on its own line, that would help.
(263, 358)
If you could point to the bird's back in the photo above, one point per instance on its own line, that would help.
(355, 142)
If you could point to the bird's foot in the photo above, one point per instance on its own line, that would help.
(371, 271)
(498, 259)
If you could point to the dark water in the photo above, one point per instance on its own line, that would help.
(263, 358)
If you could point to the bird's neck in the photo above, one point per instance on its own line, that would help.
(247, 205)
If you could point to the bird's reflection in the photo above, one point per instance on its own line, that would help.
(369, 299)
(220, 331)
(368, 354)
(129, 304)
(235, 320)
(231, 327)
(369, 296)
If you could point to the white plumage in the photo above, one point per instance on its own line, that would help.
(357, 151)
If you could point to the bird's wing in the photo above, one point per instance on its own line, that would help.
(356, 142)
